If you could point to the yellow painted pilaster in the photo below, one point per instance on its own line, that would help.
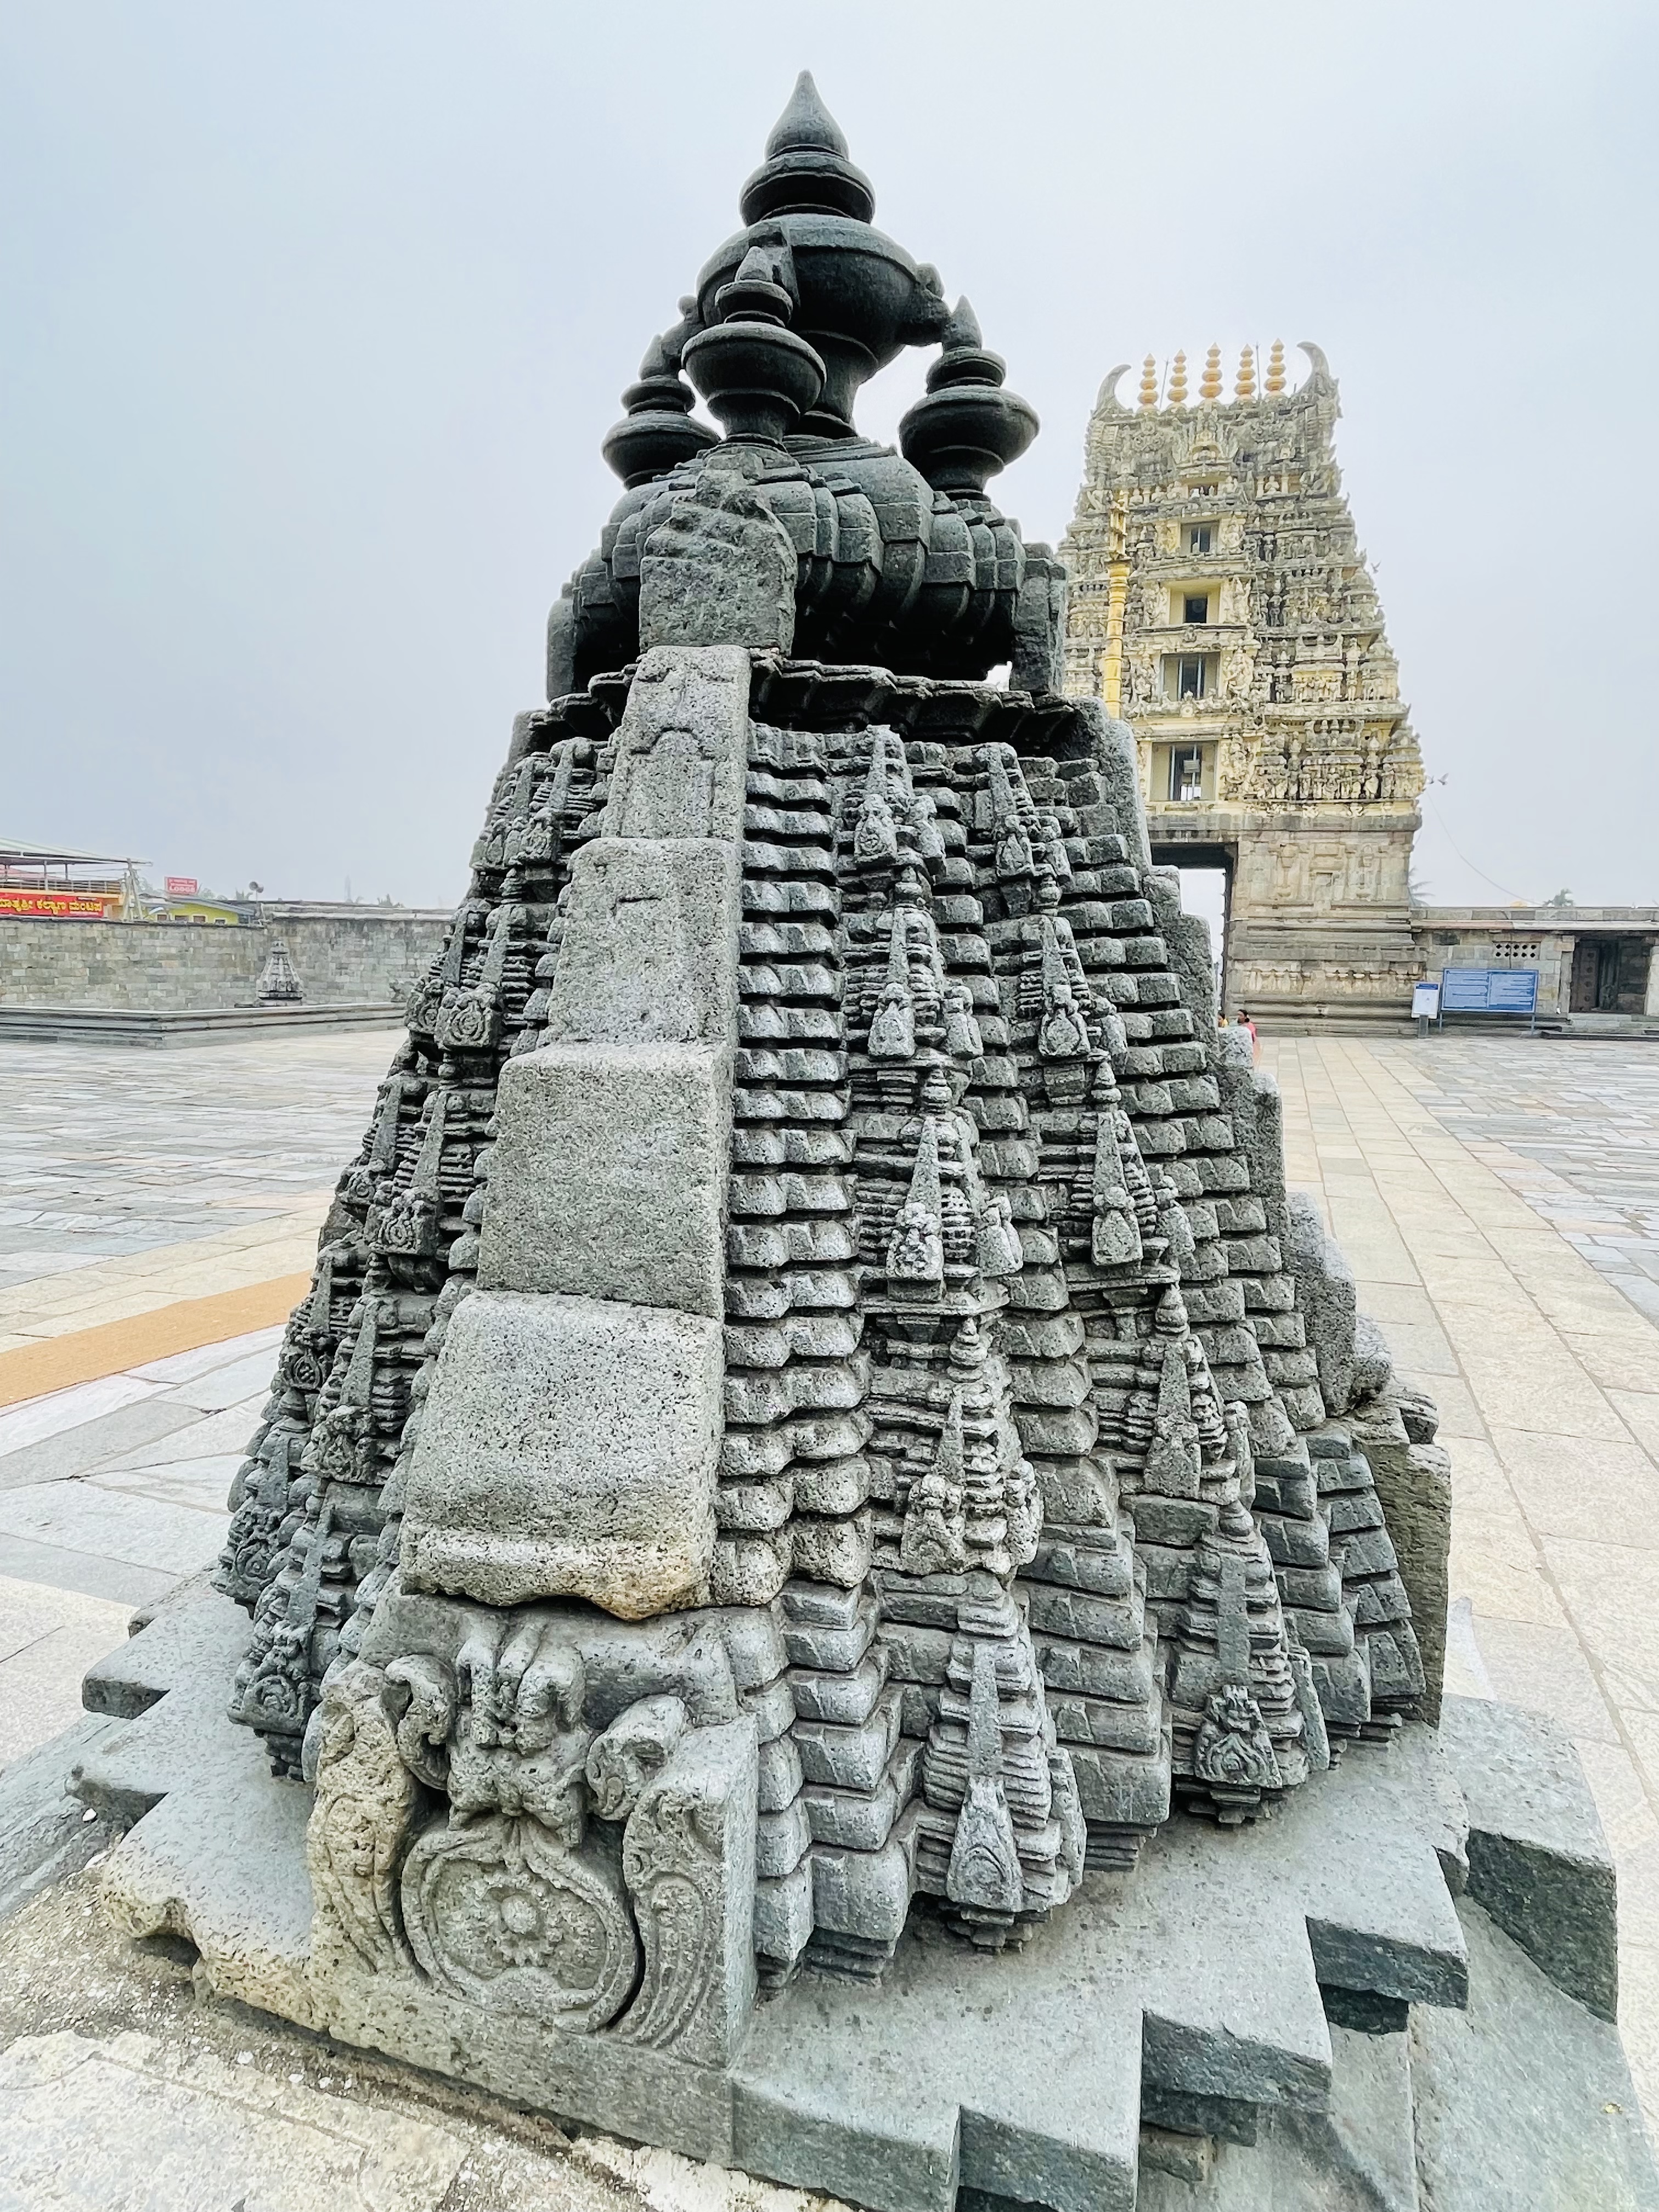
(1117, 597)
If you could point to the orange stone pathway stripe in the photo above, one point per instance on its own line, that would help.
(87, 1355)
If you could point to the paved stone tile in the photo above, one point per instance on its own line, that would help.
(227, 1385)
(201, 1484)
(128, 2122)
(1512, 1214)
(120, 1580)
(74, 1451)
(215, 1434)
(107, 1524)
(68, 1409)
(208, 1358)
(48, 1639)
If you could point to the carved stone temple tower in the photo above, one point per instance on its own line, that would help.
(822, 1487)
(1220, 604)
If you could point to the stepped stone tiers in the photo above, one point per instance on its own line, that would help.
(823, 1488)
(1220, 603)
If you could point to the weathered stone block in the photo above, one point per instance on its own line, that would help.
(649, 953)
(608, 1179)
(682, 750)
(1414, 1488)
(568, 1449)
(721, 569)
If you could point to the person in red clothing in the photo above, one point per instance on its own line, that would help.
(1242, 1021)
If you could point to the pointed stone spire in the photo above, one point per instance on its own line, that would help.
(968, 427)
(916, 1251)
(1210, 385)
(893, 1031)
(1178, 382)
(1147, 396)
(1244, 387)
(657, 432)
(1115, 1239)
(1276, 378)
(932, 1542)
(807, 169)
(875, 839)
(984, 1871)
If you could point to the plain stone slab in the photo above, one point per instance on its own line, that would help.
(1538, 1860)
(649, 953)
(44, 1831)
(1360, 2154)
(71, 1452)
(174, 1540)
(86, 2124)
(49, 1416)
(569, 1450)
(85, 1573)
(1524, 2103)
(609, 1177)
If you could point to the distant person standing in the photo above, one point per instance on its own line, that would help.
(1242, 1021)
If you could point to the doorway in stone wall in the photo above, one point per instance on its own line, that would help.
(1206, 889)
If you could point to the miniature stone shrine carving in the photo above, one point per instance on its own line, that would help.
(805, 1415)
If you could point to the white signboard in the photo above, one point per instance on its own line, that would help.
(1426, 1002)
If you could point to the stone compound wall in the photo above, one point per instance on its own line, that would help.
(173, 967)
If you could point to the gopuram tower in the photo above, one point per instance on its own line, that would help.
(819, 1582)
(1220, 604)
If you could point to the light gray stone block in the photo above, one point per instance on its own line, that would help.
(608, 1179)
(1538, 1860)
(681, 748)
(1117, 757)
(1413, 1487)
(1524, 2103)
(568, 1449)
(649, 954)
(1325, 1298)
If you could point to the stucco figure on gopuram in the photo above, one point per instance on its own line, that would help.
(823, 1489)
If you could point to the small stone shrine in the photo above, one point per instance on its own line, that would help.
(823, 1491)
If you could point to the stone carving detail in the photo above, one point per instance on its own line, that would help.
(504, 1912)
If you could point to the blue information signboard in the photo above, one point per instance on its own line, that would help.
(1489, 991)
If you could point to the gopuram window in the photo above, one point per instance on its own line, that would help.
(1189, 675)
(1198, 538)
(1196, 607)
(1186, 774)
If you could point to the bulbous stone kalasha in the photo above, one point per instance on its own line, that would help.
(777, 1477)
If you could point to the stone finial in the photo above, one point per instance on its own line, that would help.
(1148, 392)
(1244, 386)
(1210, 385)
(968, 427)
(756, 375)
(657, 432)
(1275, 378)
(1178, 382)
(806, 170)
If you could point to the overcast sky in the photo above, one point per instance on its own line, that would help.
(312, 320)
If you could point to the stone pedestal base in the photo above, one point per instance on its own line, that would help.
(1215, 1998)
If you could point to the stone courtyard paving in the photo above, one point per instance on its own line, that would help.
(1498, 1198)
